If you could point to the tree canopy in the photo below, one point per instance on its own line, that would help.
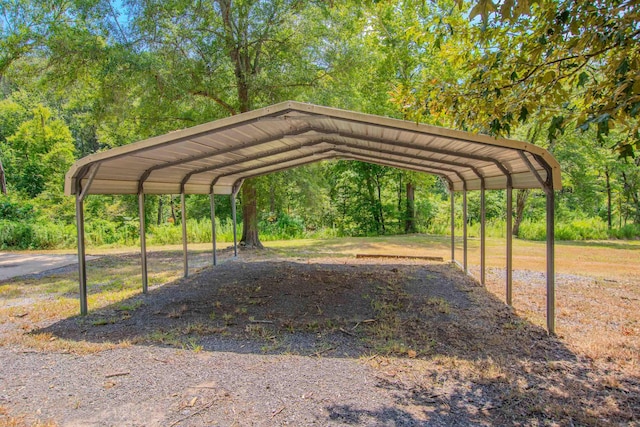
(564, 63)
(82, 76)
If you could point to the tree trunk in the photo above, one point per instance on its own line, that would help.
(410, 214)
(272, 197)
(372, 199)
(380, 210)
(521, 201)
(3, 181)
(250, 216)
(173, 209)
(159, 210)
(399, 192)
(606, 174)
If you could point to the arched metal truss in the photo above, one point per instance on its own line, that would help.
(215, 158)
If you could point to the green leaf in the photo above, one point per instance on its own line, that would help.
(482, 8)
(548, 76)
(582, 79)
(556, 127)
(524, 113)
(623, 67)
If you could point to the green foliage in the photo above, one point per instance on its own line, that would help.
(80, 77)
(39, 153)
(27, 235)
(281, 227)
(554, 62)
(16, 209)
(629, 231)
(579, 229)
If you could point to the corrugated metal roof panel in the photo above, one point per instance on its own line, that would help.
(288, 134)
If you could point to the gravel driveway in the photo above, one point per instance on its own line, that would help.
(266, 342)
(23, 264)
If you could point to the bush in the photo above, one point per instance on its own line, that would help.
(16, 209)
(583, 229)
(629, 231)
(282, 227)
(101, 232)
(51, 236)
(578, 229)
(198, 231)
(25, 235)
(15, 235)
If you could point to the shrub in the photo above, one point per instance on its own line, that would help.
(582, 229)
(16, 235)
(629, 231)
(25, 235)
(282, 227)
(198, 231)
(16, 209)
(578, 229)
(51, 236)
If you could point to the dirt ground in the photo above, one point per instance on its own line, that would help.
(269, 340)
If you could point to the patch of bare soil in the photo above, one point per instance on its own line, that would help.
(264, 341)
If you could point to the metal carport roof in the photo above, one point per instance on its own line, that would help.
(216, 157)
(290, 134)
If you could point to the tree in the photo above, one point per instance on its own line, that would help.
(236, 54)
(559, 62)
(40, 152)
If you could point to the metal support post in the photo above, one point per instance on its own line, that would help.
(183, 210)
(483, 234)
(143, 243)
(82, 265)
(453, 227)
(464, 232)
(233, 218)
(81, 193)
(509, 244)
(551, 284)
(213, 227)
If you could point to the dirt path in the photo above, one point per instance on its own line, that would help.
(327, 341)
(23, 264)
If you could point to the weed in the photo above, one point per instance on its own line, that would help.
(228, 318)
(312, 326)
(165, 337)
(259, 332)
(192, 344)
(177, 312)
(130, 305)
(101, 321)
(441, 305)
(10, 291)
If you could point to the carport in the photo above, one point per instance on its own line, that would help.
(216, 157)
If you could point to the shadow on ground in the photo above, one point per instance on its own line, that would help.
(445, 349)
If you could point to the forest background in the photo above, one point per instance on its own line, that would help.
(82, 76)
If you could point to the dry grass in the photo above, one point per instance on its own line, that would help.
(595, 318)
(598, 322)
(597, 314)
(47, 343)
(603, 259)
(7, 420)
(29, 303)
